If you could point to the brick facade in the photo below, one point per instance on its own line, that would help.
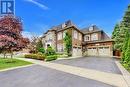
(97, 38)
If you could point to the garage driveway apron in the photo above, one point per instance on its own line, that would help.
(105, 64)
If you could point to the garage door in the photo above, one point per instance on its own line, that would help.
(104, 51)
(100, 51)
(77, 51)
(92, 51)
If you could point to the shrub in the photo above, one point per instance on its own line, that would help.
(50, 51)
(52, 57)
(61, 55)
(35, 56)
(42, 50)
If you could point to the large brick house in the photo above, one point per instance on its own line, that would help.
(89, 41)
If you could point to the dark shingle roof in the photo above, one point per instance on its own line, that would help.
(86, 30)
(63, 25)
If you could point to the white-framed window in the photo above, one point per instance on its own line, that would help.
(94, 36)
(91, 28)
(49, 37)
(80, 36)
(60, 48)
(75, 34)
(87, 38)
(59, 36)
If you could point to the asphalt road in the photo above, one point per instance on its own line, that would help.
(39, 76)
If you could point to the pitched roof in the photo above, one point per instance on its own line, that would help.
(90, 29)
(94, 29)
(61, 26)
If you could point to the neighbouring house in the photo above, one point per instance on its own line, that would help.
(89, 41)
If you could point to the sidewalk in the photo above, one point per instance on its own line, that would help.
(125, 73)
(108, 78)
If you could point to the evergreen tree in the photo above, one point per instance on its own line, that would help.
(125, 44)
(127, 54)
(116, 29)
(125, 25)
(126, 18)
(116, 37)
(120, 30)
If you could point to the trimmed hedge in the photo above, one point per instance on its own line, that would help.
(35, 56)
(52, 57)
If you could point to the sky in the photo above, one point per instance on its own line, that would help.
(40, 15)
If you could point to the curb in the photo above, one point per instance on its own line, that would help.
(125, 73)
(69, 58)
(3, 70)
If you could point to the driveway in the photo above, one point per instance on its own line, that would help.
(104, 64)
(40, 76)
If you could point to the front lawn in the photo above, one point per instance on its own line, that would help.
(9, 63)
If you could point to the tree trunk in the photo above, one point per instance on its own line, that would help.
(4, 53)
(11, 54)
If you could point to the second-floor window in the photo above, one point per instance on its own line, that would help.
(75, 34)
(94, 36)
(59, 36)
(49, 37)
(87, 38)
(80, 36)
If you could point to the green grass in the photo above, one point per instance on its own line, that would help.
(128, 69)
(9, 63)
(126, 66)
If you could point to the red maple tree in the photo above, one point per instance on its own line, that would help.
(10, 34)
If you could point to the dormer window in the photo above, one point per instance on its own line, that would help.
(91, 28)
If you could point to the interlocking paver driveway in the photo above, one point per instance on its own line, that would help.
(40, 76)
(97, 63)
